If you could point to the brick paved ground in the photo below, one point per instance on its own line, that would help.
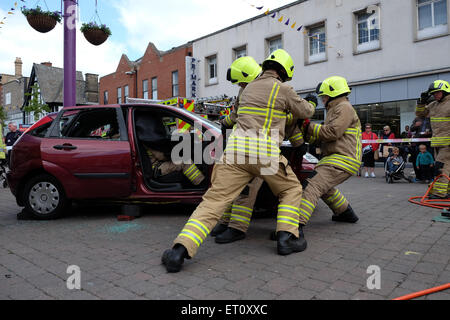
(121, 260)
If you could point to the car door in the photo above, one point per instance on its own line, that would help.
(88, 151)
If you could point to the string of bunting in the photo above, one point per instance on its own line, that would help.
(288, 22)
(10, 12)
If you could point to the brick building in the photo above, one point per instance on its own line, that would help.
(156, 75)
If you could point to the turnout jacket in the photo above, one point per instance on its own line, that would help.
(263, 109)
(439, 114)
(340, 136)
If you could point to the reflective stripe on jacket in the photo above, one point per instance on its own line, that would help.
(439, 114)
(340, 136)
(263, 107)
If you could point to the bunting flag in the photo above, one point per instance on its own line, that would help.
(10, 12)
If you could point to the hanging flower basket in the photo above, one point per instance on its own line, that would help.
(95, 34)
(42, 21)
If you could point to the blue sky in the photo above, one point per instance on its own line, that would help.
(134, 23)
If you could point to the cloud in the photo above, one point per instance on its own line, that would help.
(18, 39)
(172, 23)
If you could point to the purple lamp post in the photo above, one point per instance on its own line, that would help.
(70, 53)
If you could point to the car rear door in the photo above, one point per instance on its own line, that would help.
(88, 150)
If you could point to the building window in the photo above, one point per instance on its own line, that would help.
(145, 89)
(119, 95)
(155, 88)
(125, 94)
(240, 52)
(368, 31)
(174, 83)
(105, 97)
(432, 18)
(212, 69)
(317, 43)
(8, 98)
(274, 44)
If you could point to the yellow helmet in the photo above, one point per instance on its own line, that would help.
(439, 85)
(333, 87)
(284, 59)
(243, 70)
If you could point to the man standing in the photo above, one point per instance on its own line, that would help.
(341, 148)
(255, 142)
(439, 113)
(11, 137)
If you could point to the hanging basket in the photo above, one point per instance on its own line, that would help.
(41, 22)
(95, 36)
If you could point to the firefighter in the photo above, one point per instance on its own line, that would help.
(341, 150)
(255, 142)
(164, 169)
(235, 221)
(439, 113)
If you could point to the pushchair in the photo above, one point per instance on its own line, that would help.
(3, 181)
(398, 173)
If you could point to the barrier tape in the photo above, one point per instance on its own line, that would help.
(397, 140)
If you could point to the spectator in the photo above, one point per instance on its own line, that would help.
(405, 134)
(11, 137)
(394, 161)
(369, 150)
(420, 128)
(425, 164)
(387, 134)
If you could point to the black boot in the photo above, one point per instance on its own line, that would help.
(218, 229)
(174, 258)
(230, 235)
(287, 243)
(346, 216)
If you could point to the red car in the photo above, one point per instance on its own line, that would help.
(96, 152)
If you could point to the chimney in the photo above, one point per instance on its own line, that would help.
(18, 65)
(92, 87)
(48, 63)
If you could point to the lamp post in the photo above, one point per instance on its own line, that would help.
(70, 48)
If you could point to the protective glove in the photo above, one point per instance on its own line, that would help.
(311, 99)
(303, 125)
(424, 96)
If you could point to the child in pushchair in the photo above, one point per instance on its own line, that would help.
(395, 166)
(3, 165)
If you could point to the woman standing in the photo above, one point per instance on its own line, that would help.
(369, 150)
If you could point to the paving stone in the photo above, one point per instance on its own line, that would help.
(34, 255)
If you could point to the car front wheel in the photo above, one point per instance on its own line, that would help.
(44, 197)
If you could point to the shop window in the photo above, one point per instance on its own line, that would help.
(274, 44)
(240, 52)
(145, 89)
(316, 43)
(367, 30)
(431, 18)
(155, 88)
(211, 64)
(175, 84)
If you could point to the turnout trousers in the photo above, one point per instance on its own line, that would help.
(227, 182)
(442, 186)
(239, 214)
(323, 185)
